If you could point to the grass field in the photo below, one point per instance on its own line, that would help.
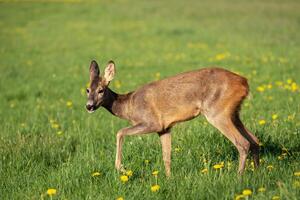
(48, 140)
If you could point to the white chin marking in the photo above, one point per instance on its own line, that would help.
(91, 111)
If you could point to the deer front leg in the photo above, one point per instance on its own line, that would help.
(134, 130)
(165, 139)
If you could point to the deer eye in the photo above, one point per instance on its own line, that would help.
(87, 90)
(100, 91)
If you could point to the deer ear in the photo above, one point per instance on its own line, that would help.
(94, 70)
(109, 72)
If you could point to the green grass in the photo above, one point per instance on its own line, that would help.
(45, 51)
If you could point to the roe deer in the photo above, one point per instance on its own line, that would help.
(156, 107)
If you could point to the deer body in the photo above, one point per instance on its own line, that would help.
(156, 107)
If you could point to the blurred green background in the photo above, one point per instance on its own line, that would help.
(48, 140)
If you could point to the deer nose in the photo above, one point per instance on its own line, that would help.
(89, 106)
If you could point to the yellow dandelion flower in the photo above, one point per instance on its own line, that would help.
(69, 104)
(247, 192)
(147, 162)
(260, 88)
(289, 81)
(261, 189)
(155, 173)
(124, 178)
(269, 86)
(270, 167)
(218, 166)
(276, 198)
(262, 122)
(204, 171)
(291, 117)
(55, 125)
(296, 184)
(222, 56)
(96, 174)
(239, 197)
(297, 173)
(157, 75)
(284, 154)
(294, 87)
(261, 144)
(177, 149)
(59, 133)
(51, 191)
(274, 116)
(120, 198)
(155, 188)
(129, 173)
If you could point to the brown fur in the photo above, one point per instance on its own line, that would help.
(156, 107)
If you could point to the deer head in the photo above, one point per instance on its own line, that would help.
(97, 90)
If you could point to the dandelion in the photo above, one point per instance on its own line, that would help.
(59, 133)
(289, 81)
(296, 184)
(262, 122)
(276, 198)
(124, 178)
(218, 166)
(269, 86)
(280, 157)
(155, 188)
(291, 117)
(261, 144)
(270, 167)
(51, 191)
(239, 196)
(129, 173)
(204, 171)
(222, 56)
(261, 189)
(157, 76)
(297, 173)
(274, 116)
(177, 149)
(120, 198)
(294, 87)
(96, 174)
(155, 173)
(260, 88)
(69, 104)
(247, 192)
(147, 162)
(55, 125)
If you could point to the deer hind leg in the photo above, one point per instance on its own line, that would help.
(224, 123)
(254, 142)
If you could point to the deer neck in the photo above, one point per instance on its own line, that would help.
(117, 104)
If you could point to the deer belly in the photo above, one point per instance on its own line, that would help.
(174, 116)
